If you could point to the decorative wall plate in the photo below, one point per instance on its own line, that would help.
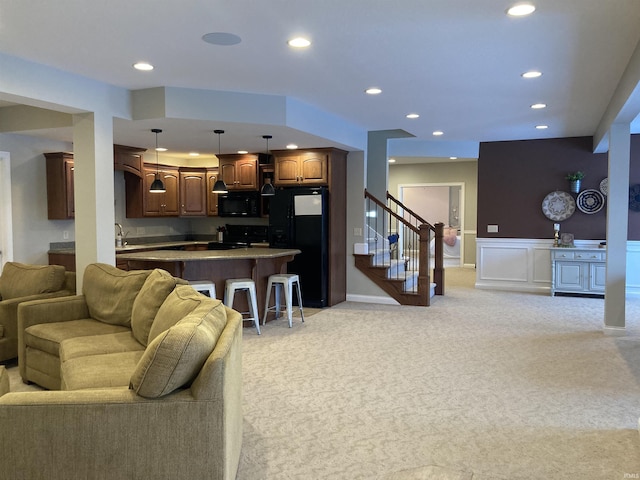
(604, 186)
(634, 198)
(590, 201)
(558, 206)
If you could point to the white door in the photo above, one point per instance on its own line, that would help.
(6, 226)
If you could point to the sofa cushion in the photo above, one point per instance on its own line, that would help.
(47, 337)
(99, 371)
(174, 358)
(110, 292)
(21, 280)
(158, 285)
(178, 304)
(92, 345)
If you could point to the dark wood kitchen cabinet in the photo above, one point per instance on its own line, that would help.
(60, 201)
(308, 168)
(212, 198)
(193, 192)
(140, 202)
(128, 159)
(239, 171)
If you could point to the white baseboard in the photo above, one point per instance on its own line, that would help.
(615, 331)
(371, 299)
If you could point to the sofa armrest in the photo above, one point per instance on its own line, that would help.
(60, 309)
(66, 435)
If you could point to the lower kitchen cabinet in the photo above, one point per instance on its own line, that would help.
(580, 271)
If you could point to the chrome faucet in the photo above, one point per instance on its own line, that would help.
(119, 236)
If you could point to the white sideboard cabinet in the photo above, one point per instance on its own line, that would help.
(578, 270)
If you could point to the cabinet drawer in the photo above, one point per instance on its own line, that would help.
(585, 255)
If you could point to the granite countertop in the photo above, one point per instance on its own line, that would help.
(144, 247)
(186, 256)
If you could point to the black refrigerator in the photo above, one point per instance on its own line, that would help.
(298, 218)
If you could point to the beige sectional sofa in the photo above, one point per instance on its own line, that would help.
(20, 283)
(145, 382)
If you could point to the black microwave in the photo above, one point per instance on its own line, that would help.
(239, 204)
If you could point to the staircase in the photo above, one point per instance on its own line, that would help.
(396, 254)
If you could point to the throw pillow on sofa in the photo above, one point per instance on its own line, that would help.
(181, 301)
(158, 285)
(21, 280)
(110, 292)
(175, 357)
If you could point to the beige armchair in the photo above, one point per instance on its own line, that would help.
(21, 283)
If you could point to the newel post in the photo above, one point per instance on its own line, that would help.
(424, 281)
(438, 271)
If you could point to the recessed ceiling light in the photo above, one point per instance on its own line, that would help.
(521, 9)
(292, 146)
(542, 127)
(161, 149)
(299, 42)
(531, 74)
(222, 39)
(453, 158)
(194, 154)
(413, 115)
(538, 105)
(243, 152)
(373, 91)
(143, 66)
(392, 160)
(437, 133)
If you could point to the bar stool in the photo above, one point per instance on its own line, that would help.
(287, 280)
(248, 285)
(203, 286)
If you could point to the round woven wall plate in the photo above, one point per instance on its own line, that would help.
(590, 201)
(558, 206)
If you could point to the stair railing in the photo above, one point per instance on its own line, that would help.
(406, 237)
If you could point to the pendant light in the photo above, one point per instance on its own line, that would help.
(267, 189)
(157, 186)
(219, 186)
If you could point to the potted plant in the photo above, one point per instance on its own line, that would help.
(575, 179)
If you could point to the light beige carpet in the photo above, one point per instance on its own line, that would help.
(482, 385)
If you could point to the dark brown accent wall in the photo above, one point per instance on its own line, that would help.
(514, 178)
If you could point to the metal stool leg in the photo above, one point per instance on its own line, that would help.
(287, 298)
(299, 300)
(253, 306)
(266, 304)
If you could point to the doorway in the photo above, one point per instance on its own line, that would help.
(6, 225)
(439, 202)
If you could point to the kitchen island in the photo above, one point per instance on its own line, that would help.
(217, 266)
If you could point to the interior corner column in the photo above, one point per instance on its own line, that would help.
(93, 190)
(617, 226)
(377, 162)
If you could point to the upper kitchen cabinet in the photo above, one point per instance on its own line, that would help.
(128, 159)
(212, 198)
(304, 167)
(239, 171)
(60, 202)
(142, 203)
(193, 192)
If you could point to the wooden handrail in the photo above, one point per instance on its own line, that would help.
(391, 212)
(407, 209)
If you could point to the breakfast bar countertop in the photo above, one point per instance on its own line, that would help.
(199, 255)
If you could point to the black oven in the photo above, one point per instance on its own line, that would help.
(239, 204)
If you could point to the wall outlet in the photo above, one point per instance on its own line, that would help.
(492, 228)
(65, 235)
(357, 232)
(139, 230)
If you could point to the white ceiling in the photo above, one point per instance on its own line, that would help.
(456, 62)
